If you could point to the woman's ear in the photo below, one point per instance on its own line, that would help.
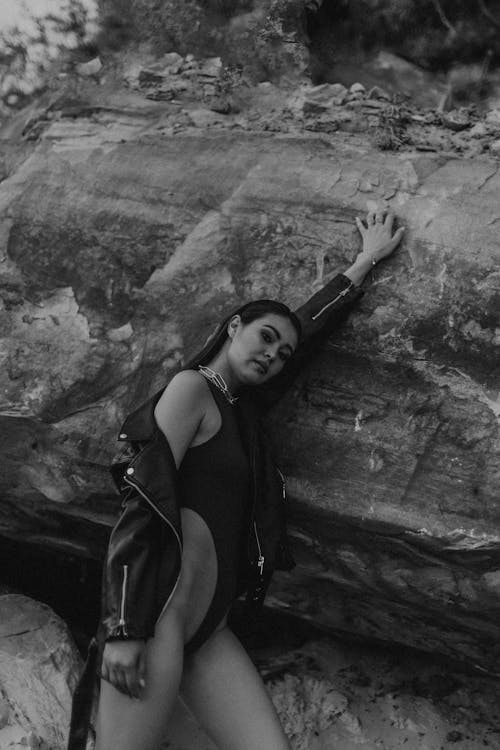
(233, 326)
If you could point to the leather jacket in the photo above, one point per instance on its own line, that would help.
(143, 560)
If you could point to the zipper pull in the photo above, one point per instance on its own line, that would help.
(260, 564)
(260, 559)
(283, 485)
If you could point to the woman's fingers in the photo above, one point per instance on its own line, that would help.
(398, 234)
(132, 682)
(389, 220)
(370, 217)
(141, 670)
(394, 241)
(379, 216)
(118, 680)
(361, 227)
(124, 666)
(104, 672)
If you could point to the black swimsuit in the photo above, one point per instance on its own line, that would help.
(214, 482)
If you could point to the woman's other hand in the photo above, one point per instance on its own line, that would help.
(378, 242)
(124, 666)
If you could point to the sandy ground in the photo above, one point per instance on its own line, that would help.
(337, 696)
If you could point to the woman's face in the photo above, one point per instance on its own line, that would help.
(260, 349)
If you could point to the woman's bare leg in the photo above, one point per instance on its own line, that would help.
(223, 689)
(124, 723)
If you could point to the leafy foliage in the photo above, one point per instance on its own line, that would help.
(431, 33)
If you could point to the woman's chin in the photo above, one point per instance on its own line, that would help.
(253, 375)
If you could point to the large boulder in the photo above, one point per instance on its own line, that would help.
(123, 243)
(39, 667)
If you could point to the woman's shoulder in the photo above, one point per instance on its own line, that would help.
(181, 409)
(188, 379)
(186, 385)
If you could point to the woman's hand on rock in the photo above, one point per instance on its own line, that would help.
(378, 239)
(378, 243)
(124, 666)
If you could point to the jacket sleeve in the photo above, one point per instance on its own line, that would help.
(319, 316)
(143, 558)
(131, 571)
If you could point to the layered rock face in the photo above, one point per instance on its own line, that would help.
(124, 243)
(39, 668)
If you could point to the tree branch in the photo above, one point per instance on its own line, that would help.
(488, 14)
(442, 16)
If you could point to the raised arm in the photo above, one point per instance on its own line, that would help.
(325, 310)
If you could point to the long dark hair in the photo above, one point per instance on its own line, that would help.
(248, 313)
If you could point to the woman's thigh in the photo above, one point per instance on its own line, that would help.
(223, 689)
(125, 723)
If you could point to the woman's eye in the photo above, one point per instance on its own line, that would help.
(266, 336)
(284, 356)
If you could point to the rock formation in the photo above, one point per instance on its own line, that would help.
(344, 696)
(39, 667)
(127, 230)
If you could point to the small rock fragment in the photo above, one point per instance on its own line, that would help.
(493, 117)
(456, 119)
(173, 61)
(355, 96)
(210, 68)
(90, 68)
(495, 147)
(318, 99)
(479, 130)
(120, 334)
(204, 118)
(357, 88)
(377, 92)
(337, 90)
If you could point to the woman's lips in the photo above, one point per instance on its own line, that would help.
(261, 368)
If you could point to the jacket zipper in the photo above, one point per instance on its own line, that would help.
(283, 485)
(177, 537)
(332, 302)
(261, 559)
(122, 623)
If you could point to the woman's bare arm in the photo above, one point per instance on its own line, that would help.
(180, 411)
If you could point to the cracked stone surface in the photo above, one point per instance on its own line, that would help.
(39, 666)
(345, 696)
(122, 243)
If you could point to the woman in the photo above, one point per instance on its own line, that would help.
(203, 521)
